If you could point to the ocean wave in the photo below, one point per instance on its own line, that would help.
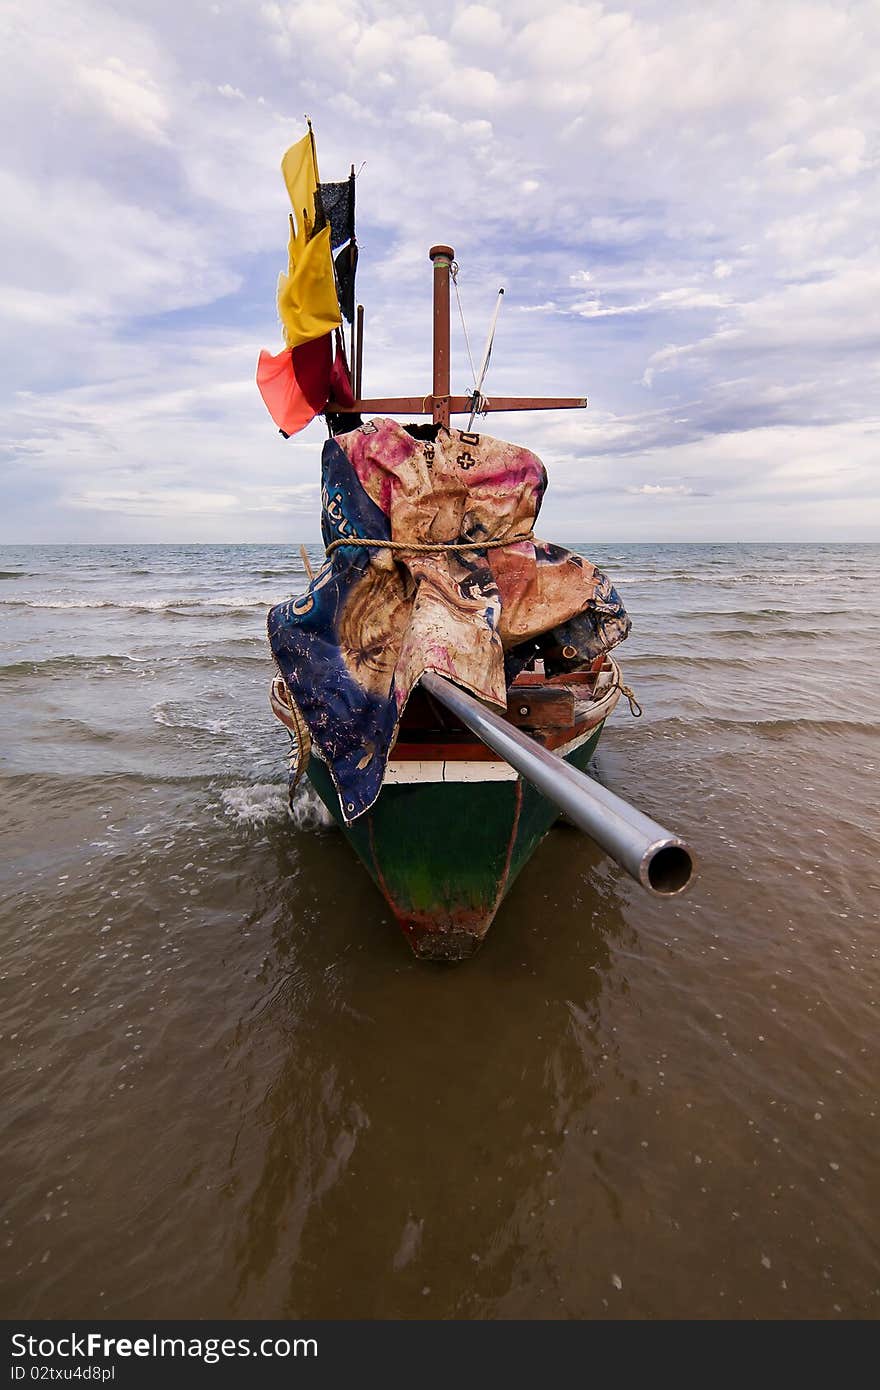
(106, 665)
(770, 727)
(169, 715)
(56, 603)
(679, 662)
(769, 578)
(308, 811)
(295, 572)
(223, 659)
(771, 637)
(660, 579)
(113, 664)
(82, 731)
(255, 804)
(229, 603)
(262, 803)
(14, 574)
(790, 615)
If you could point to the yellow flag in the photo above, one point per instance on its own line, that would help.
(301, 177)
(307, 302)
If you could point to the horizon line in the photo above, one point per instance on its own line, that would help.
(120, 545)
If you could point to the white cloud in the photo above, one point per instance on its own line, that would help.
(682, 199)
(479, 26)
(130, 97)
(841, 148)
(686, 297)
(661, 490)
(169, 502)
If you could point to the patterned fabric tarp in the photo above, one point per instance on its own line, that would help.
(372, 620)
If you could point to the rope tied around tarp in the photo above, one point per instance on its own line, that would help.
(428, 547)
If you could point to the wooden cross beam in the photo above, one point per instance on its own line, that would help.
(439, 404)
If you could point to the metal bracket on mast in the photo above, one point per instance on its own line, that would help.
(440, 404)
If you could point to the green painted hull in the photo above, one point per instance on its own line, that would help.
(444, 854)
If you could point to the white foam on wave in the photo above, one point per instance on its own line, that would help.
(255, 804)
(152, 605)
(170, 718)
(261, 803)
(244, 600)
(308, 810)
(57, 603)
(675, 577)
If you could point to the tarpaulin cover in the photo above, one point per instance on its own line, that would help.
(372, 620)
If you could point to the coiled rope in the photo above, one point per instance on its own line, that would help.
(635, 708)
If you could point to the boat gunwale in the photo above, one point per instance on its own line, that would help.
(456, 748)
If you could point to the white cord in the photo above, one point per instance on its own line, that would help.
(454, 269)
(478, 398)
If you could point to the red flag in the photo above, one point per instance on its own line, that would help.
(295, 384)
(340, 382)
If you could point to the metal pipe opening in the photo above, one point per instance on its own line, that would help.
(669, 870)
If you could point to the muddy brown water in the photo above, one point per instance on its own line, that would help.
(229, 1091)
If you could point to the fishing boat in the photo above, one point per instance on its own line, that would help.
(445, 678)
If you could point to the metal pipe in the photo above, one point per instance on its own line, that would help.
(442, 257)
(660, 861)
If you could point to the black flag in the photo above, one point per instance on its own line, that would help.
(338, 203)
(345, 266)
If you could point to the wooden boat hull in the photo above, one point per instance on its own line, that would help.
(454, 824)
(444, 853)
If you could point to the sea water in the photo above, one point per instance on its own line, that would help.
(229, 1090)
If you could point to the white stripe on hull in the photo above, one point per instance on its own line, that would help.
(399, 774)
(409, 773)
(406, 772)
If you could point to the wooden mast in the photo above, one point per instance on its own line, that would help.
(442, 258)
(440, 404)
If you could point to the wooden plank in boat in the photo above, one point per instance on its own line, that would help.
(541, 707)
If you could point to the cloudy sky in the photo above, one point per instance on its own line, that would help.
(681, 200)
